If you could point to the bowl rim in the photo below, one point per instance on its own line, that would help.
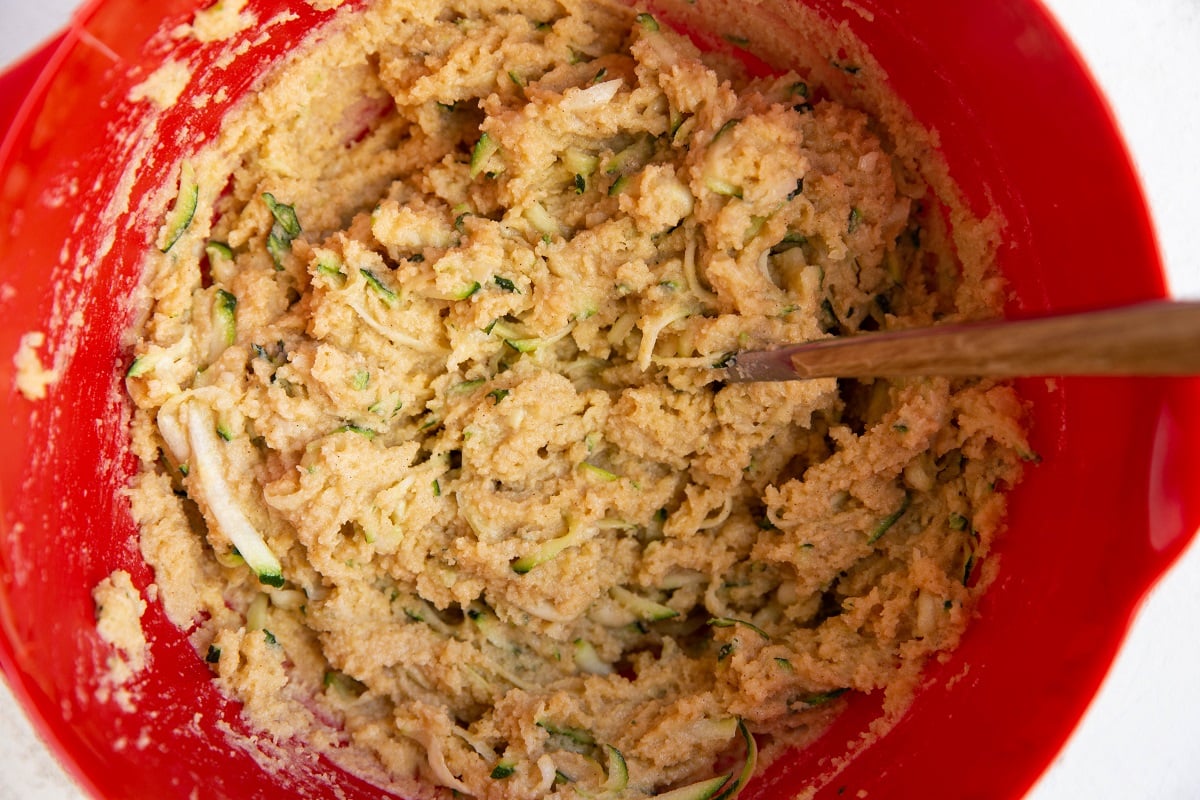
(29, 79)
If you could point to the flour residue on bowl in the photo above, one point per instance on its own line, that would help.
(119, 610)
(224, 19)
(32, 377)
(435, 464)
(164, 85)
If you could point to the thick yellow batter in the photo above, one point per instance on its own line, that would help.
(434, 456)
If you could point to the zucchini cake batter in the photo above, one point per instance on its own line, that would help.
(437, 467)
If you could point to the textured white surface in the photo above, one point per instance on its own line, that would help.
(1139, 738)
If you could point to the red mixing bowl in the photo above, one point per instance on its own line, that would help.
(1091, 528)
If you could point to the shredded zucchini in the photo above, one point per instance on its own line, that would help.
(701, 790)
(482, 155)
(179, 219)
(209, 469)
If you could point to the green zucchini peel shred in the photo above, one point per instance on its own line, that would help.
(225, 315)
(180, 217)
(482, 153)
(729, 622)
(388, 296)
(887, 522)
(284, 229)
(821, 698)
(748, 765)
(648, 22)
(618, 771)
(641, 607)
(575, 534)
(701, 790)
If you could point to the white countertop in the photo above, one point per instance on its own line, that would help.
(1138, 740)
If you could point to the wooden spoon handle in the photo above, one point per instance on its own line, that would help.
(1153, 338)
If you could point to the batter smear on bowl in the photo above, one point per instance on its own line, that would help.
(435, 466)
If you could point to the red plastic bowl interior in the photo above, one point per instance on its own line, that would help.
(1091, 528)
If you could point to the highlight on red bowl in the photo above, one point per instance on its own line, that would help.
(1091, 528)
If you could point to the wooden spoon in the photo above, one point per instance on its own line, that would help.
(1152, 338)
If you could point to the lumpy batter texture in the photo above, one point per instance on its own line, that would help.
(437, 466)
